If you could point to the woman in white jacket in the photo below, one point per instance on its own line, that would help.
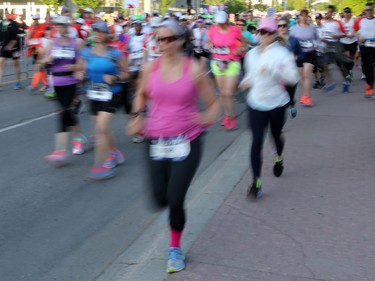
(268, 68)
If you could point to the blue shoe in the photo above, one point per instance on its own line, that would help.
(329, 87)
(18, 86)
(346, 87)
(113, 159)
(100, 173)
(176, 260)
(293, 112)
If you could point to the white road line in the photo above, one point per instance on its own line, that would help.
(27, 122)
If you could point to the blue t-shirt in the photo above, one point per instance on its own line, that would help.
(97, 66)
(248, 36)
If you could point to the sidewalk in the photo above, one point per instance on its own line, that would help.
(315, 222)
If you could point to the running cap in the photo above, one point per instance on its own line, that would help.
(199, 20)
(63, 20)
(155, 22)
(318, 16)
(36, 17)
(80, 21)
(347, 10)
(11, 17)
(208, 21)
(268, 24)
(137, 22)
(173, 25)
(183, 18)
(221, 17)
(98, 16)
(88, 10)
(101, 26)
(65, 10)
(178, 14)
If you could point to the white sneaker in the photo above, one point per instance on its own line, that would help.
(79, 145)
(138, 138)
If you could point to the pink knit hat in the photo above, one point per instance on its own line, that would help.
(268, 24)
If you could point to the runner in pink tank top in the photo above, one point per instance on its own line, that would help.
(170, 87)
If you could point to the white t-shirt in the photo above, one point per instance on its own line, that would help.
(349, 30)
(332, 28)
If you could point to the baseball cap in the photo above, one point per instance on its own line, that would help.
(36, 17)
(88, 10)
(11, 17)
(173, 25)
(100, 26)
(80, 21)
(61, 20)
(221, 17)
(155, 22)
(268, 24)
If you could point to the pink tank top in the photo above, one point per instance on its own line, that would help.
(172, 106)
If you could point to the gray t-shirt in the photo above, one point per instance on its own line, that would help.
(307, 37)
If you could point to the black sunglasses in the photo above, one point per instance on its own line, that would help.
(167, 39)
(263, 32)
(282, 25)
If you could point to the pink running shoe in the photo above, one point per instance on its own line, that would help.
(57, 158)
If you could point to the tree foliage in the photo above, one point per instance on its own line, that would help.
(164, 5)
(235, 6)
(88, 3)
(53, 5)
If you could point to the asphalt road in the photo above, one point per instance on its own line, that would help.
(54, 223)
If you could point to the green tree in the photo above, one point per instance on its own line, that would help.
(297, 5)
(235, 6)
(212, 2)
(164, 5)
(260, 6)
(88, 3)
(53, 5)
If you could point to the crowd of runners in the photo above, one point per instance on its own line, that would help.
(157, 66)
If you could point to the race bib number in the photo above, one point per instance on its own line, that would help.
(221, 50)
(136, 55)
(170, 149)
(99, 92)
(34, 41)
(63, 53)
(306, 44)
(370, 43)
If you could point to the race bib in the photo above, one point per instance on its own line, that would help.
(63, 53)
(34, 41)
(136, 55)
(306, 44)
(170, 149)
(370, 43)
(221, 50)
(99, 92)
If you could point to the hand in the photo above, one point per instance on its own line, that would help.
(136, 125)
(244, 85)
(80, 75)
(109, 79)
(70, 67)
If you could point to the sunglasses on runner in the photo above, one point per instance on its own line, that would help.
(167, 39)
(282, 25)
(264, 32)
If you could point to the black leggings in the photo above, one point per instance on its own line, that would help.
(171, 180)
(368, 63)
(65, 96)
(291, 92)
(258, 123)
